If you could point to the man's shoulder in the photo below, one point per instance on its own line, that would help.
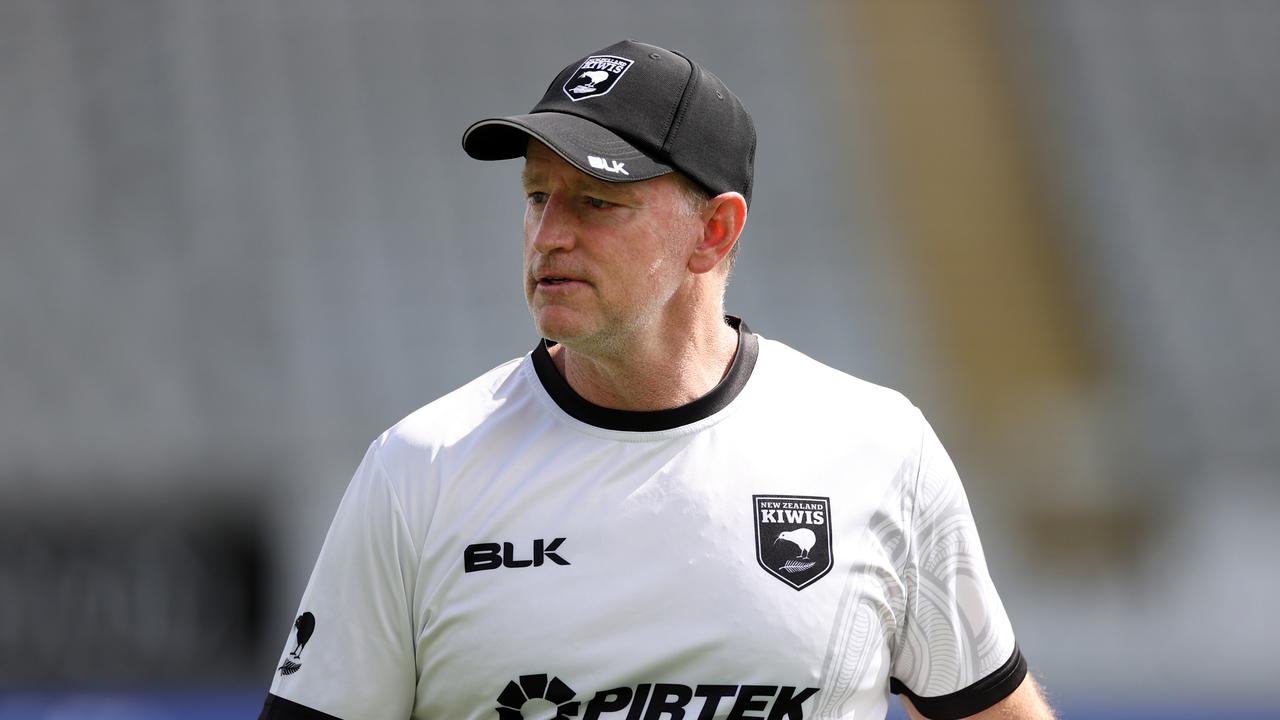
(813, 412)
(833, 404)
(454, 415)
(795, 373)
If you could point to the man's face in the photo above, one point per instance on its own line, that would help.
(602, 260)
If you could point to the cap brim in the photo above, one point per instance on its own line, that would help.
(587, 146)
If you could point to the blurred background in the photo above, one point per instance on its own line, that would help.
(240, 239)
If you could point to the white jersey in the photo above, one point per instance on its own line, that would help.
(794, 544)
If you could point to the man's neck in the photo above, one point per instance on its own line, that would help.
(668, 370)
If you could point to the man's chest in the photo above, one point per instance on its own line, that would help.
(646, 578)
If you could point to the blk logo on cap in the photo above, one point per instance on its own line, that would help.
(596, 76)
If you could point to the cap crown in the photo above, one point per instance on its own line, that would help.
(667, 106)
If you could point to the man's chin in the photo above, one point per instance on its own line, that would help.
(560, 324)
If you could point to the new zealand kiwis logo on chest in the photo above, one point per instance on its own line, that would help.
(793, 537)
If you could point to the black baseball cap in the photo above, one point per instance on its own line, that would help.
(629, 112)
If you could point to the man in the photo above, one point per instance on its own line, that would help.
(656, 514)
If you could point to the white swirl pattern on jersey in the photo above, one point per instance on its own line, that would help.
(952, 637)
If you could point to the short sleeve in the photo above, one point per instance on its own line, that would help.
(350, 654)
(956, 654)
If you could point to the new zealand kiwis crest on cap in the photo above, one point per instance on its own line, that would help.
(596, 76)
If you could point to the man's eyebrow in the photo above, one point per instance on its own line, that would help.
(529, 178)
(601, 187)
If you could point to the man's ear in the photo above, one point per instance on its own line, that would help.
(722, 222)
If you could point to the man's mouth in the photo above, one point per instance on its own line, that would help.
(553, 280)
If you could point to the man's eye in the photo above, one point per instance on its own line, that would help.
(597, 202)
(537, 198)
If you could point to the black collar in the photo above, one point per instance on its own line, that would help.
(578, 407)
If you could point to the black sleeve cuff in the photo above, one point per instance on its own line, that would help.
(278, 708)
(971, 700)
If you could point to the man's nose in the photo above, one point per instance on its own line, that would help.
(554, 227)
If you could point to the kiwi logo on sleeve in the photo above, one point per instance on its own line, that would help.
(304, 626)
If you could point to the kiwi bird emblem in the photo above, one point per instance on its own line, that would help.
(802, 538)
(304, 626)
